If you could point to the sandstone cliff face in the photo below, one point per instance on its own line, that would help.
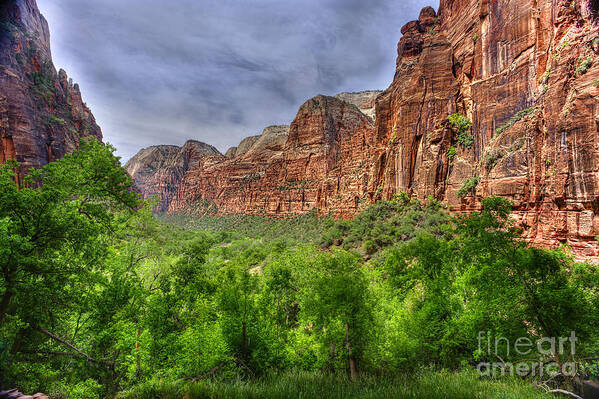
(319, 164)
(42, 114)
(526, 75)
(158, 170)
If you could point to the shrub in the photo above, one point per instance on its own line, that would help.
(462, 126)
(492, 157)
(53, 119)
(515, 119)
(466, 140)
(451, 152)
(584, 66)
(468, 186)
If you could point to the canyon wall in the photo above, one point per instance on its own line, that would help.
(490, 97)
(42, 114)
(526, 74)
(317, 162)
(158, 170)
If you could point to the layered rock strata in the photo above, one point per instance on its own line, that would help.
(527, 76)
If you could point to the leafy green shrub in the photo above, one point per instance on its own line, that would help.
(585, 65)
(386, 223)
(492, 157)
(451, 152)
(468, 186)
(466, 140)
(462, 126)
(53, 119)
(370, 247)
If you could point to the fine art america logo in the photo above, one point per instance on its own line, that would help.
(553, 348)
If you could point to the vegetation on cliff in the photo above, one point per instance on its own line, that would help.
(104, 298)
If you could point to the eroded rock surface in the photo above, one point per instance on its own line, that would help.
(526, 75)
(317, 162)
(365, 100)
(158, 170)
(42, 114)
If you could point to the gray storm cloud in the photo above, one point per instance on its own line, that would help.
(162, 72)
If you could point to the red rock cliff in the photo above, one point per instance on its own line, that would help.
(320, 162)
(526, 74)
(42, 115)
(523, 73)
(158, 170)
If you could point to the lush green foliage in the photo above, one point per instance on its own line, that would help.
(103, 297)
(451, 152)
(462, 125)
(468, 186)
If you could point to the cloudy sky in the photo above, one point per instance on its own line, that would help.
(164, 71)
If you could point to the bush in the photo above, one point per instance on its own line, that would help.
(516, 118)
(468, 187)
(492, 157)
(451, 152)
(462, 126)
(585, 65)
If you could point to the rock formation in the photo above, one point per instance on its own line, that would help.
(15, 394)
(365, 100)
(158, 170)
(526, 75)
(490, 97)
(42, 114)
(319, 164)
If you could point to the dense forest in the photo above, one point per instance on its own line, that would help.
(101, 298)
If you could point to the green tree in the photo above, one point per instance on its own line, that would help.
(53, 239)
(337, 301)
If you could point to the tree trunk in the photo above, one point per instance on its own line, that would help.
(332, 355)
(243, 339)
(4, 304)
(353, 372)
(137, 362)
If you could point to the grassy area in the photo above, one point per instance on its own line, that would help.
(427, 385)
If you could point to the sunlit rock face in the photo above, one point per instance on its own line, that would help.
(42, 114)
(364, 100)
(525, 74)
(158, 170)
(319, 162)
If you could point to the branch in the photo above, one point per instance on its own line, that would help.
(246, 366)
(561, 391)
(65, 343)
